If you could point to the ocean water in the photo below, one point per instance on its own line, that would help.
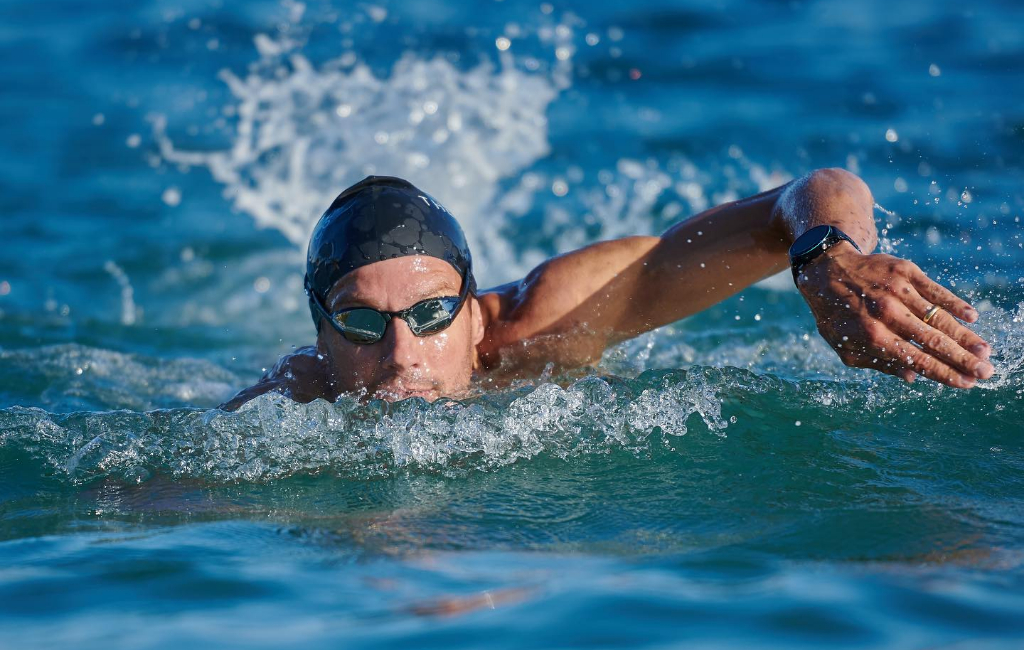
(722, 482)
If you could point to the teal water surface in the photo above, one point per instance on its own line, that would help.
(722, 482)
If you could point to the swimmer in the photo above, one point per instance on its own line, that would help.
(389, 280)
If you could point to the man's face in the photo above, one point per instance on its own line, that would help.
(402, 364)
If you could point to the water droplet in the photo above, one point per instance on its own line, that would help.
(171, 196)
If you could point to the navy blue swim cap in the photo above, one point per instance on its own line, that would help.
(381, 218)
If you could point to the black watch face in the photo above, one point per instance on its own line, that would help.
(809, 240)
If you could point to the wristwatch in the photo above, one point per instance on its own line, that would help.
(813, 243)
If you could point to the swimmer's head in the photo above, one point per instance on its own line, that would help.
(385, 245)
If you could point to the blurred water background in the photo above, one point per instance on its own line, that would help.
(723, 482)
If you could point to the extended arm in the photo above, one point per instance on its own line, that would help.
(572, 307)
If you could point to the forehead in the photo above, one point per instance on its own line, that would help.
(402, 280)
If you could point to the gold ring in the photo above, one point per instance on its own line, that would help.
(930, 314)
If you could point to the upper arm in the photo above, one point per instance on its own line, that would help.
(567, 310)
(572, 307)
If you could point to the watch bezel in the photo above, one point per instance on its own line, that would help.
(831, 236)
(795, 254)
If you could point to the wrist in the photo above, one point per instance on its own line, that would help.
(814, 267)
(814, 243)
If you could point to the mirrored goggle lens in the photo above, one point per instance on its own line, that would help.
(431, 316)
(362, 325)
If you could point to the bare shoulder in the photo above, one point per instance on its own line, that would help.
(301, 376)
(564, 311)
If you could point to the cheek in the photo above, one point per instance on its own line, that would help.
(440, 342)
(351, 363)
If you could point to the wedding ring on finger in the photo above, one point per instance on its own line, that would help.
(930, 314)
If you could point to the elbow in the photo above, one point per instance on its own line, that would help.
(830, 195)
(839, 184)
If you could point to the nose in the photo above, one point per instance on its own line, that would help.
(402, 349)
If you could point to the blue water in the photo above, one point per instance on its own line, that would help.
(723, 482)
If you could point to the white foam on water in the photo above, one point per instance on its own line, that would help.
(472, 137)
(273, 437)
(305, 132)
(87, 377)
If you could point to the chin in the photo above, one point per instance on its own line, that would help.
(398, 394)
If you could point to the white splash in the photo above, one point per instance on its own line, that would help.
(304, 133)
(129, 312)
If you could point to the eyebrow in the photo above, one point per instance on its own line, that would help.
(433, 289)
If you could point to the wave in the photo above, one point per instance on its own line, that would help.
(272, 437)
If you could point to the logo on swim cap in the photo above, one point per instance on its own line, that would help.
(382, 218)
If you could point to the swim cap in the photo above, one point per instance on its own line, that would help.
(381, 218)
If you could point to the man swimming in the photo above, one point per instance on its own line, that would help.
(391, 290)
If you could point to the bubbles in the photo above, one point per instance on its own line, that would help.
(171, 196)
(891, 135)
(272, 437)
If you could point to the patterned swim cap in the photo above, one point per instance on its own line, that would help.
(381, 218)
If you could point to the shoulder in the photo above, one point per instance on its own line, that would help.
(558, 312)
(301, 376)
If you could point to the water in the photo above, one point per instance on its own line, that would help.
(722, 482)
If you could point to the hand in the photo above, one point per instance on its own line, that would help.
(301, 376)
(870, 309)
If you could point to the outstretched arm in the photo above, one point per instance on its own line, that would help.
(569, 309)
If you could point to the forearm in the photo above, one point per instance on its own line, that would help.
(718, 253)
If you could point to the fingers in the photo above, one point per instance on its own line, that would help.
(889, 367)
(906, 375)
(941, 296)
(942, 337)
(904, 355)
(896, 356)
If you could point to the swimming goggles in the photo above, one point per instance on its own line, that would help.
(363, 325)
